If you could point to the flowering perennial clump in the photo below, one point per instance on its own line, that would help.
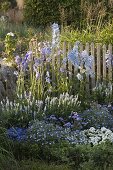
(80, 60)
(62, 105)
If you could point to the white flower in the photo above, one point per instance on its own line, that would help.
(16, 73)
(79, 76)
(103, 129)
(47, 74)
(10, 34)
(92, 129)
(55, 35)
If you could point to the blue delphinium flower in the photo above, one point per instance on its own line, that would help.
(24, 62)
(55, 35)
(87, 61)
(73, 56)
(53, 117)
(28, 56)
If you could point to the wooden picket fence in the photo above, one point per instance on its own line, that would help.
(100, 69)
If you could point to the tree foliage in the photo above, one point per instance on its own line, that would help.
(44, 12)
(70, 12)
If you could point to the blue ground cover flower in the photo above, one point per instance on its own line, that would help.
(17, 133)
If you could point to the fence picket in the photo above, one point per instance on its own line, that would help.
(87, 83)
(98, 63)
(53, 68)
(64, 57)
(104, 62)
(110, 67)
(69, 63)
(93, 54)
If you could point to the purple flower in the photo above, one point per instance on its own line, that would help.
(24, 65)
(68, 125)
(53, 117)
(28, 56)
(38, 61)
(75, 116)
(46, 51)
(61, 119)
(18, 60)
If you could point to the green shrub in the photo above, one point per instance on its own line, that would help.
(103, 35)
(40, 165)
(74, 156)
(41, 13)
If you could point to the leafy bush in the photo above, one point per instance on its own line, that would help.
(75, 156)
(41, 13)
(10, 45)
(40, 165)
(91, 34)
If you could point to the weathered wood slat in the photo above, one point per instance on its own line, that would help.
(64, 56)
(98, 62)
(69, 63)
(104, 62)
(53, 68)
(87, 77)
(110, 66)
(93, 54)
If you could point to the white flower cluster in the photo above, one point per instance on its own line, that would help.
(26, 103)
(103, 89)
(22, 104)
(97, 136)
(55, 35)
(64, 99)
(10, 34)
